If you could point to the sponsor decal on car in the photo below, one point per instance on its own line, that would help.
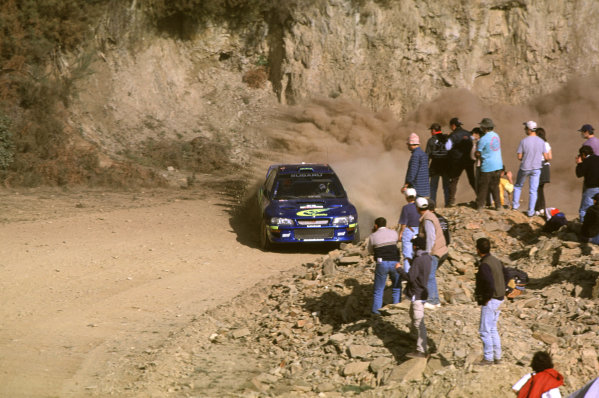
(313, 212)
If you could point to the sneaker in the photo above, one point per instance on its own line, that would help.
(497, 362)
(485, 362)
(416, 354)
(430, 306)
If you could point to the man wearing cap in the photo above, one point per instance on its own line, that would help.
(489, 152)
(590, 225)
(459, 155)
(587, 166)
(531, 152)
(588, 132)
(409, 220)
(437, 149)
(382, 244)
(430, 229)
(417, 174)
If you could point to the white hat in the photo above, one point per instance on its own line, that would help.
(410, 192)
(421, 203)
(530, 125)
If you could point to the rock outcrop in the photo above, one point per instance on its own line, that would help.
(312, 333)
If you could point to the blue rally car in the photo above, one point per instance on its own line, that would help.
(305, 203)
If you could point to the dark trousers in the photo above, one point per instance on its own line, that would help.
(540, 197)
(454, 178)
(489, 182)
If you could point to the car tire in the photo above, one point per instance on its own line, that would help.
(265, 243)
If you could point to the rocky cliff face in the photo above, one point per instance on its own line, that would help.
(404, 53)
(221, 85)
(384, 54)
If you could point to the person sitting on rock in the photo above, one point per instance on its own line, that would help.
(590, 225)
(544, 382)
(416, 290)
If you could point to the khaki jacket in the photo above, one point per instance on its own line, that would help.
(439, 247)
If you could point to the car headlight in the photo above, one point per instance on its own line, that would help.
(281, 221)
(340, 220)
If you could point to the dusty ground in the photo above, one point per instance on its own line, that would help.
(90, 280)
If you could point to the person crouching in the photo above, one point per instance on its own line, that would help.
(416, 290)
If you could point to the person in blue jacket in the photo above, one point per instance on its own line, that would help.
(417, 174)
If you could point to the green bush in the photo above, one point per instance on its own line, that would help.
(7, 146)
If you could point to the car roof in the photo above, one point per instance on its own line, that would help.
(302, 168)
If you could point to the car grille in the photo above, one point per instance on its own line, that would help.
(314, 233)
(317, 221)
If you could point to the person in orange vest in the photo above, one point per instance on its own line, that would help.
(543, 382)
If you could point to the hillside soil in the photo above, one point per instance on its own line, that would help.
(91, 282)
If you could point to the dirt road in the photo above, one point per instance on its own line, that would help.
(88, 278)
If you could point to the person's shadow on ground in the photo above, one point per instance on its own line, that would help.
(351, 314)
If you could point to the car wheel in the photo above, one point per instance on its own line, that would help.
(264, 241)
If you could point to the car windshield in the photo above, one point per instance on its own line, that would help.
(298, 186)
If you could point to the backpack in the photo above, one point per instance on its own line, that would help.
(515, 282)
(438, 150)
(444, 227)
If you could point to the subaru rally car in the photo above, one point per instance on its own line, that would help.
(305, 203)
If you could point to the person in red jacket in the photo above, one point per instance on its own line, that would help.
(544, 382)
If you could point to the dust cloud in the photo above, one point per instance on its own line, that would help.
(367, 149)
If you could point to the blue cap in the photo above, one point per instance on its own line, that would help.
(586, 127)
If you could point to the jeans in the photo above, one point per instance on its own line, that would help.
(381, 271)
(417, 327)
(533, 186)
(434, 184)
(594, 239)
(489, 315)
(587, 201)
(406, 246)
(431, 285)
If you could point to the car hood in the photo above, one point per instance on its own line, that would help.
(310, 208)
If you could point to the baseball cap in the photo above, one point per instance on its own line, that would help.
(410, 192)
(435, 126)
(530, 125)
(413, 139)
(422, 203)
(586, 127)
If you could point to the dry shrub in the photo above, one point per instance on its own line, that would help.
(198, 155)
(255, 78)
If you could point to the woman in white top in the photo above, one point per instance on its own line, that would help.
(545, 175)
